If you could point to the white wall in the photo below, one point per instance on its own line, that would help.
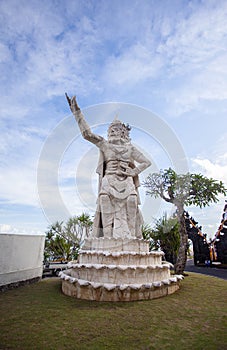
(21, 257)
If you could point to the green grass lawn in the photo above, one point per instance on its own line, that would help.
(39, 316)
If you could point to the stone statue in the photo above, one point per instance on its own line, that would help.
(117, 213)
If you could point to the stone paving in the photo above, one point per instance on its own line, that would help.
(211, 271)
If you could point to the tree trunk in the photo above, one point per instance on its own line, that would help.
(182, 253)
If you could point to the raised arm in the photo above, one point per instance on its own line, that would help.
(83, 125)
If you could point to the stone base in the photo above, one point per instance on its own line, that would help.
(122, 269)
(108, 292)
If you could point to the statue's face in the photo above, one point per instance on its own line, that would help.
(114, 133)
(118, 133)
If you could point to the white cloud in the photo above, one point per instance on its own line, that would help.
(172, 53)
(214, 170)
(50, 55)
(20, 152)
(208, 84)
(43, 55)
(19, 186)
(5, 228)
(198, 37)
(196, 54)
(134, 65)
(213, 162)
(5, 53)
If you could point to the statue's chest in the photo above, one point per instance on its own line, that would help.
(116, 152)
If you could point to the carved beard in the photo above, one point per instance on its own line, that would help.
(115, 138)
(121, 137)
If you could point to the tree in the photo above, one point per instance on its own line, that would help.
(66, 240)
(183, 190)
(148, 235)
(165, 236)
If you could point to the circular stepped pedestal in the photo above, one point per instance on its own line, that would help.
(118, 270)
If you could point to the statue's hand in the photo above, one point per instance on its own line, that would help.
(72, 103)
(130, 172)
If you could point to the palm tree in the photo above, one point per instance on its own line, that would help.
(66, 240)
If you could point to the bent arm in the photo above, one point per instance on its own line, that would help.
(140, 158)
(83, 125)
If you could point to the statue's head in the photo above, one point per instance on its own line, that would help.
(118, 131)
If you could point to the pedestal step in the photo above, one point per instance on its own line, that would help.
(120, 258)
(116, 244)
(86, 290)
(120, 274)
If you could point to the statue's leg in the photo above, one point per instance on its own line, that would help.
(107, 215)
(131, 213)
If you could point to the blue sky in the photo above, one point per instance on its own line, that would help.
(140, 59)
